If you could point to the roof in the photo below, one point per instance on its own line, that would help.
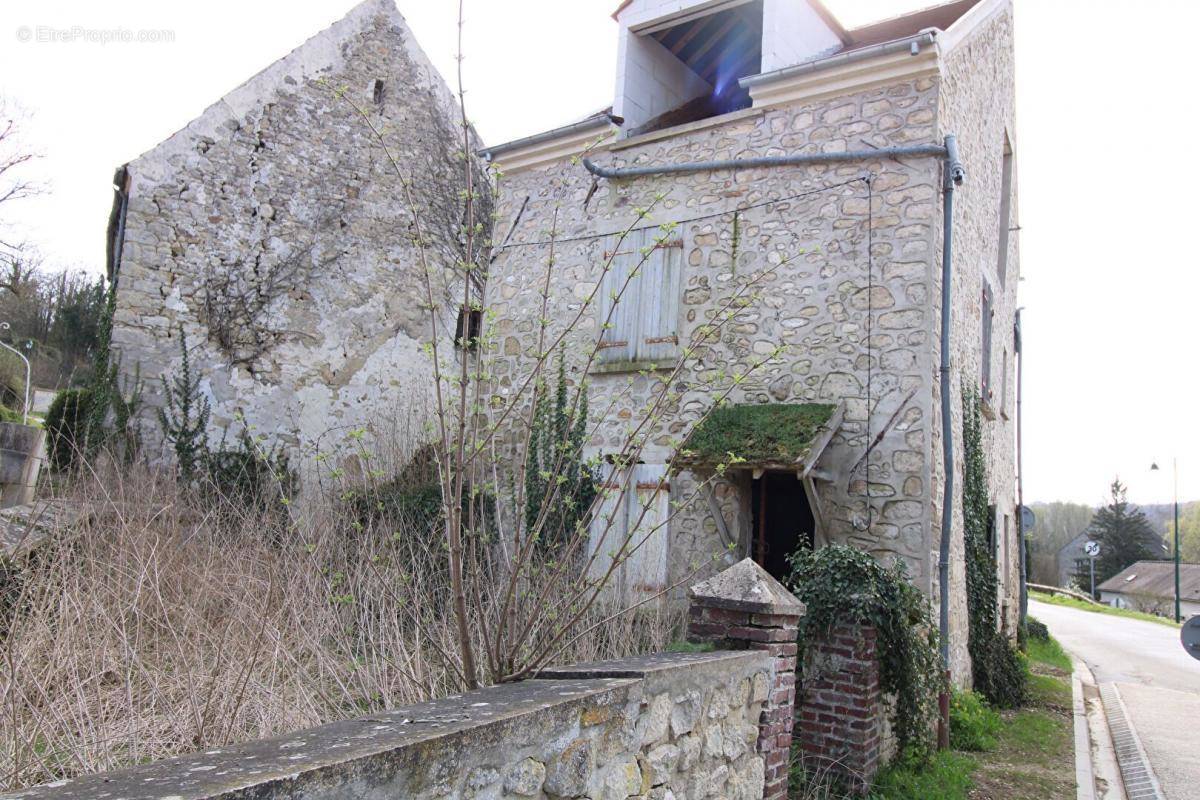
(1076, 543)
(1156, 579)
(939, 16)
(775, 435)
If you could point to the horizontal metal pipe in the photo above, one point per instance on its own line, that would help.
(768, 161)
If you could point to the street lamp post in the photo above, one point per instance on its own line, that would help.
(25, 408)
(1175, 478)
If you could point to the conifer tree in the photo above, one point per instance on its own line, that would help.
(1124, 535)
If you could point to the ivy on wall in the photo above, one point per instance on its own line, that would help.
(842, 585)
(999, 673)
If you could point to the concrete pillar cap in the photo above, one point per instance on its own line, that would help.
(746, 586)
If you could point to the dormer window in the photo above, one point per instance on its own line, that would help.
(694, 66)
(684, 65)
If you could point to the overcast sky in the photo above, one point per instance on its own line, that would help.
(1105, 93)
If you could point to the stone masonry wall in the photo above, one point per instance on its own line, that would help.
(679, 726)
(853, 335)
(977, 103)
(273, 232)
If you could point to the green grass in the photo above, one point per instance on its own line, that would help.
(1048, 652)
(973, 724)
(1100, 608)
(690, 647)
(1026, 754)
(770, 433)
(947, 777)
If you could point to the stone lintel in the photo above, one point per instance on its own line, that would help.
(748, 587)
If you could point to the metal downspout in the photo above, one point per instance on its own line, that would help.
(953, 176)
(1024, 555)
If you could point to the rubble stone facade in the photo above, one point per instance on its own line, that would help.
(841, 263)
(273, 233)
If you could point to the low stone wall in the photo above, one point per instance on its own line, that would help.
(661, 726)
(22, 452)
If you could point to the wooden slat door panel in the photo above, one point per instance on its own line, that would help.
(605, 539)
(645, 570)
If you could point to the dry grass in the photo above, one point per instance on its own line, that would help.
(170, 623)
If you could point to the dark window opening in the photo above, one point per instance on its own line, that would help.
(991, 532)
(782, 520)
(468, 328)
(377, 92)
(719, 48)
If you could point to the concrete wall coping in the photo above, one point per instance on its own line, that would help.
(283, 766)
(317, 761)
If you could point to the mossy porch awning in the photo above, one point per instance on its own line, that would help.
(783, 436)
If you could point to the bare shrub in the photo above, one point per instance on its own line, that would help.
(167, 624)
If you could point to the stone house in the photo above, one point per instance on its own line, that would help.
(844, 256)
(833, 264)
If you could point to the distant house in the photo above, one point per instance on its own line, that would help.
(1067, 560)
(1150, 586)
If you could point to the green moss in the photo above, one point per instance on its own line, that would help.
(773, 433)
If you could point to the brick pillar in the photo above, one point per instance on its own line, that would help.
(839, 716)
(744, 608)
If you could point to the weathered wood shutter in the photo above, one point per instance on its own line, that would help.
(644, 573)
(604, 538)
(619, 302)
(644, 321)
(637, 502)
(658, 338)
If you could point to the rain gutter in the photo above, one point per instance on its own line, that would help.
(595, 121)
(912, 44)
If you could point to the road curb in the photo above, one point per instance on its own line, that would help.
(1097, 773)
(1136, 773)
(1085, 777)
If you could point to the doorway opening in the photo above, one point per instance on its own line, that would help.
(781, 520)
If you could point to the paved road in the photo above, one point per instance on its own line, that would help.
(1158, 681)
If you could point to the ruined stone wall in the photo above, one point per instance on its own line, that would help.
(273, 232)
(671, 725)
(856, 329)
(976, 103)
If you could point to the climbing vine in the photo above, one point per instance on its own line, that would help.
(555, 464)
(843, 585)
(999, 673)
(239, 298)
